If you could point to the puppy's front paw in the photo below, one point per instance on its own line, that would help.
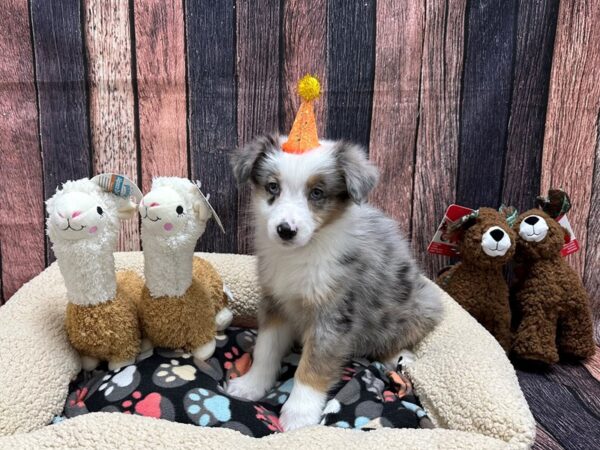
(248, 387)
(294, 416)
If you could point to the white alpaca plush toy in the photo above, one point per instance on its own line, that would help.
(101, 319)
(183, 302)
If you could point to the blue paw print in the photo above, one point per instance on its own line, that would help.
(280, 394)
(206, 408)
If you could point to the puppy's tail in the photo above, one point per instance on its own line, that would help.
(428, 303)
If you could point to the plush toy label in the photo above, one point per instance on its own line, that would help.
(444, 242)
(571, 243)
(119, 185)
(205, 199)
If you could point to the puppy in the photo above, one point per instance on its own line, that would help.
(336, 274)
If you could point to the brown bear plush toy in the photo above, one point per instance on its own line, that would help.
(552, 304)
(486, 242)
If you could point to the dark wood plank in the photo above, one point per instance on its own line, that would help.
(258, 59)
(533, 61)
(21, 182)
(112, 121)
(350, 69)
(544, 440)
(160, 64)
(436, 158)
(559, 411)
(62, 97)
(571, 133)
(486, 94)
(591, 279)
(580, 382)
(210, 29)
(395, 117)
(304, 37)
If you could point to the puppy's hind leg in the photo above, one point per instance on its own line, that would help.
(274, 340)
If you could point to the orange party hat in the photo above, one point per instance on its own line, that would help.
(303, 136)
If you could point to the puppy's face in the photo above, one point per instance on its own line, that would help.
(295, 196)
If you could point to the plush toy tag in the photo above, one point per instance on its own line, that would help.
(443, 241)
(571, 244)
(119, 185)
(209, 206)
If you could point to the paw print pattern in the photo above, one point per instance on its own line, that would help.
(269, 418)
(236, 365)
(210, 367)
(173, 374)
(206, 408)
(350, 393)
(120, 384)
(372, 383)
(280, 393)
(75, 404)
(246, 340)
(152, 405)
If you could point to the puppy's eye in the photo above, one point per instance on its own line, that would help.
(179, 210)
(316, 194)
(99, 210)
(273, 188)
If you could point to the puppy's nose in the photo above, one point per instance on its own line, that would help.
(285, 232)
(532, 220)
(497, 234)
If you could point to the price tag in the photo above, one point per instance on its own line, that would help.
(209, 206)
(119, 185)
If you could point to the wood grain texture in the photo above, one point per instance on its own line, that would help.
(304, 37)
(21, 182)
(533, 61)
(108, 44)
(395, 116)
(544, 440)
(160, 64)
(573, 108)
(592, 364)
(591, 277)
(559, 411)
(258, 58)
(350, 69)
(486, 93)
(580, 382)
(212, 113)
(62, 96)
(436, 157)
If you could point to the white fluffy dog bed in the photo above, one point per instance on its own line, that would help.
(461, 375)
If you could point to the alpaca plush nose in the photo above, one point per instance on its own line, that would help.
(532, 220)
(286, 232)
(497, 234)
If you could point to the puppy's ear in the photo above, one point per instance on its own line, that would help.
(359, 174)
(244, 160)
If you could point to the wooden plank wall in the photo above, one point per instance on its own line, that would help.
(478, 102)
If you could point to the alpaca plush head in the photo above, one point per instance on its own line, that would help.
(83, 210)
(173, 208)
(487, 239)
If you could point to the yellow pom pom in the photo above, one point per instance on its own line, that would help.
(309, 88)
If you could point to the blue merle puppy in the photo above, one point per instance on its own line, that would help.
(336, 273)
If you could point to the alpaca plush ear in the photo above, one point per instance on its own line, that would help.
(126, 209)
(359, 174)
(245, 159)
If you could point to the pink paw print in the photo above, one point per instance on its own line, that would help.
(269, 418)
(348, 373)
(80, 397)
(236, 365)
(153, 405)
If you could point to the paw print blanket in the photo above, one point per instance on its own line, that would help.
(172, 385)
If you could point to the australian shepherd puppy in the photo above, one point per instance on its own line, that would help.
(336, 274)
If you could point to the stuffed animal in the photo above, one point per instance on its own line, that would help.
(101, 317)
(552, 304)
(486, 243)
(183, 302)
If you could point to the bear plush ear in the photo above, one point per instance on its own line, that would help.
(556, 204)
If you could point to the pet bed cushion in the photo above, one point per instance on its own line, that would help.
(461, 376)
(173, 385)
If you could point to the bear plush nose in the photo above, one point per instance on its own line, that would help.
(531, 220)
(497, 234)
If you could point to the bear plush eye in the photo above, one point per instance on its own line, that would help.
(99, 210)
(179, 210)
(316, 194)
(273, 188)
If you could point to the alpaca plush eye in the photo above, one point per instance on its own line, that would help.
(179, 210)
(316, 194)
(99, 210)
(273, 188)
